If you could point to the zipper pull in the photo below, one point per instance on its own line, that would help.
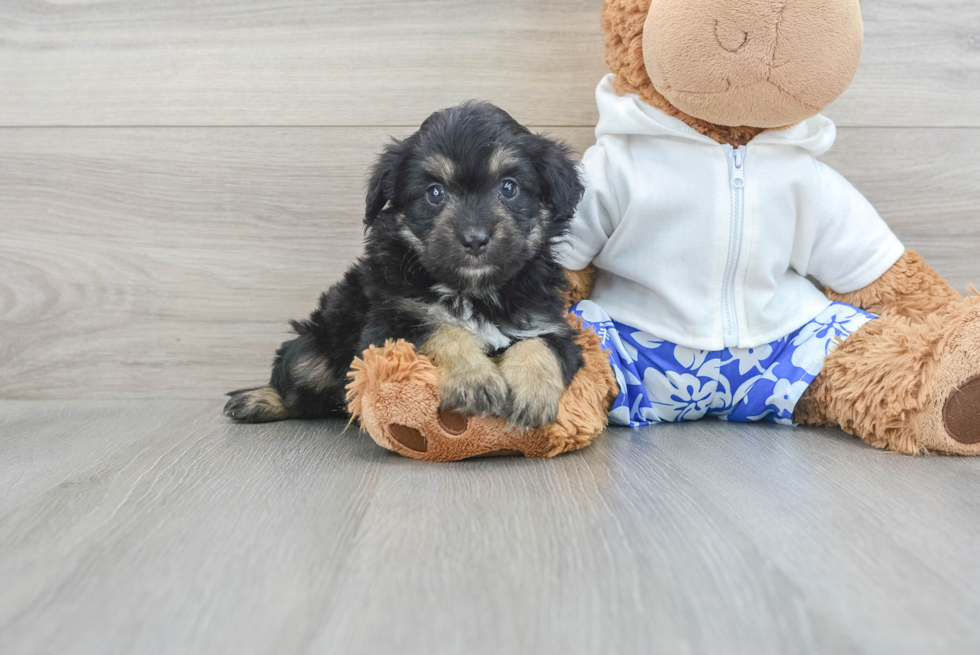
(738, 167)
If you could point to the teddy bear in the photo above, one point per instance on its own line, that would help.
(706, 217)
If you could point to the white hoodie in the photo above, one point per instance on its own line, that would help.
(709, 247)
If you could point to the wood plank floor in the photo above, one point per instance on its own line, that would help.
(159, 527)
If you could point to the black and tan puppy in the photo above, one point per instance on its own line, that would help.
(461, 221)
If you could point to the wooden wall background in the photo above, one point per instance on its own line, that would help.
(178, 178)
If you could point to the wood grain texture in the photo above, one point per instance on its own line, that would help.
(143, 262)
(174, 531)
(920, 66)
(268, 62)
(334, 62)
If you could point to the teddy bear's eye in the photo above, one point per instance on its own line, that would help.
(435, 194)
(509, 189)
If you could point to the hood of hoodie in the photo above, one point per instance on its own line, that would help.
(628, 114)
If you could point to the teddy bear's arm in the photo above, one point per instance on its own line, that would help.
(910, 288)
(580, 284)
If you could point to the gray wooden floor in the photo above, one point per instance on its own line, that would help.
(178, 178)
(159, 527)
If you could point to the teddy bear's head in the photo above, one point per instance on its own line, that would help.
(732, 68)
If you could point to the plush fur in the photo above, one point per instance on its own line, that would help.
(461, 220)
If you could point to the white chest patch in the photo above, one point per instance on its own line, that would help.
(488, 335)
(456, 309)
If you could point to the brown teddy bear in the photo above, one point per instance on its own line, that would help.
(706, 157)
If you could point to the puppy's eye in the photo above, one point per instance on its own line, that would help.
(435, 194)
(509, 189)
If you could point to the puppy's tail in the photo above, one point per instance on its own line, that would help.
(262, 405)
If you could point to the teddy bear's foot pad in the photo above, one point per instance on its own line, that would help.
(408, 437)
(961, 413)
(453, 423)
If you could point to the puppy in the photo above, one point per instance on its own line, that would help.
(460, 225)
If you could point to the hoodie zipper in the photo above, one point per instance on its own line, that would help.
(736, 169)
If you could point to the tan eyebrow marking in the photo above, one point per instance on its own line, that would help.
(500, 160)
(440, 167)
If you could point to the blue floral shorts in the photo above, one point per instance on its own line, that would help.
(660, 382)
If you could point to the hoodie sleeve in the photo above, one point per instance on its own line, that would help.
(853, 246)
(597, 215)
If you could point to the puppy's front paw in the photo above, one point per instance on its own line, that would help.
(533, 375)
(474, 390)
(534, 408)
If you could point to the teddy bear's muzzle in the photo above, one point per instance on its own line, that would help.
(757, 63)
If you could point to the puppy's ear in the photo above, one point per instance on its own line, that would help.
(381, 185)
(559, 175)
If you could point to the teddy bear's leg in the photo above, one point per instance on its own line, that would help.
(908, 384)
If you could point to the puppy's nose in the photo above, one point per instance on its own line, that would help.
(475, 241)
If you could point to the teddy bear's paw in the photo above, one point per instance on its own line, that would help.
(950, 421)
(474, 391)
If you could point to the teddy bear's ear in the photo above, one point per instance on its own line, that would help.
(381, 183)
(559, 175)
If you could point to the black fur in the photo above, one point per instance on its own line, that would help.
(416, 273)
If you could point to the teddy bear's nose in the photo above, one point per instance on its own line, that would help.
(730, 37)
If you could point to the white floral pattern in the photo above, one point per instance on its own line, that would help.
(663, 382)
(647, 340)
(818, 338)
(750, 359)
(680, 396)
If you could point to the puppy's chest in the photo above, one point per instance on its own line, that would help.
(492, 335)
